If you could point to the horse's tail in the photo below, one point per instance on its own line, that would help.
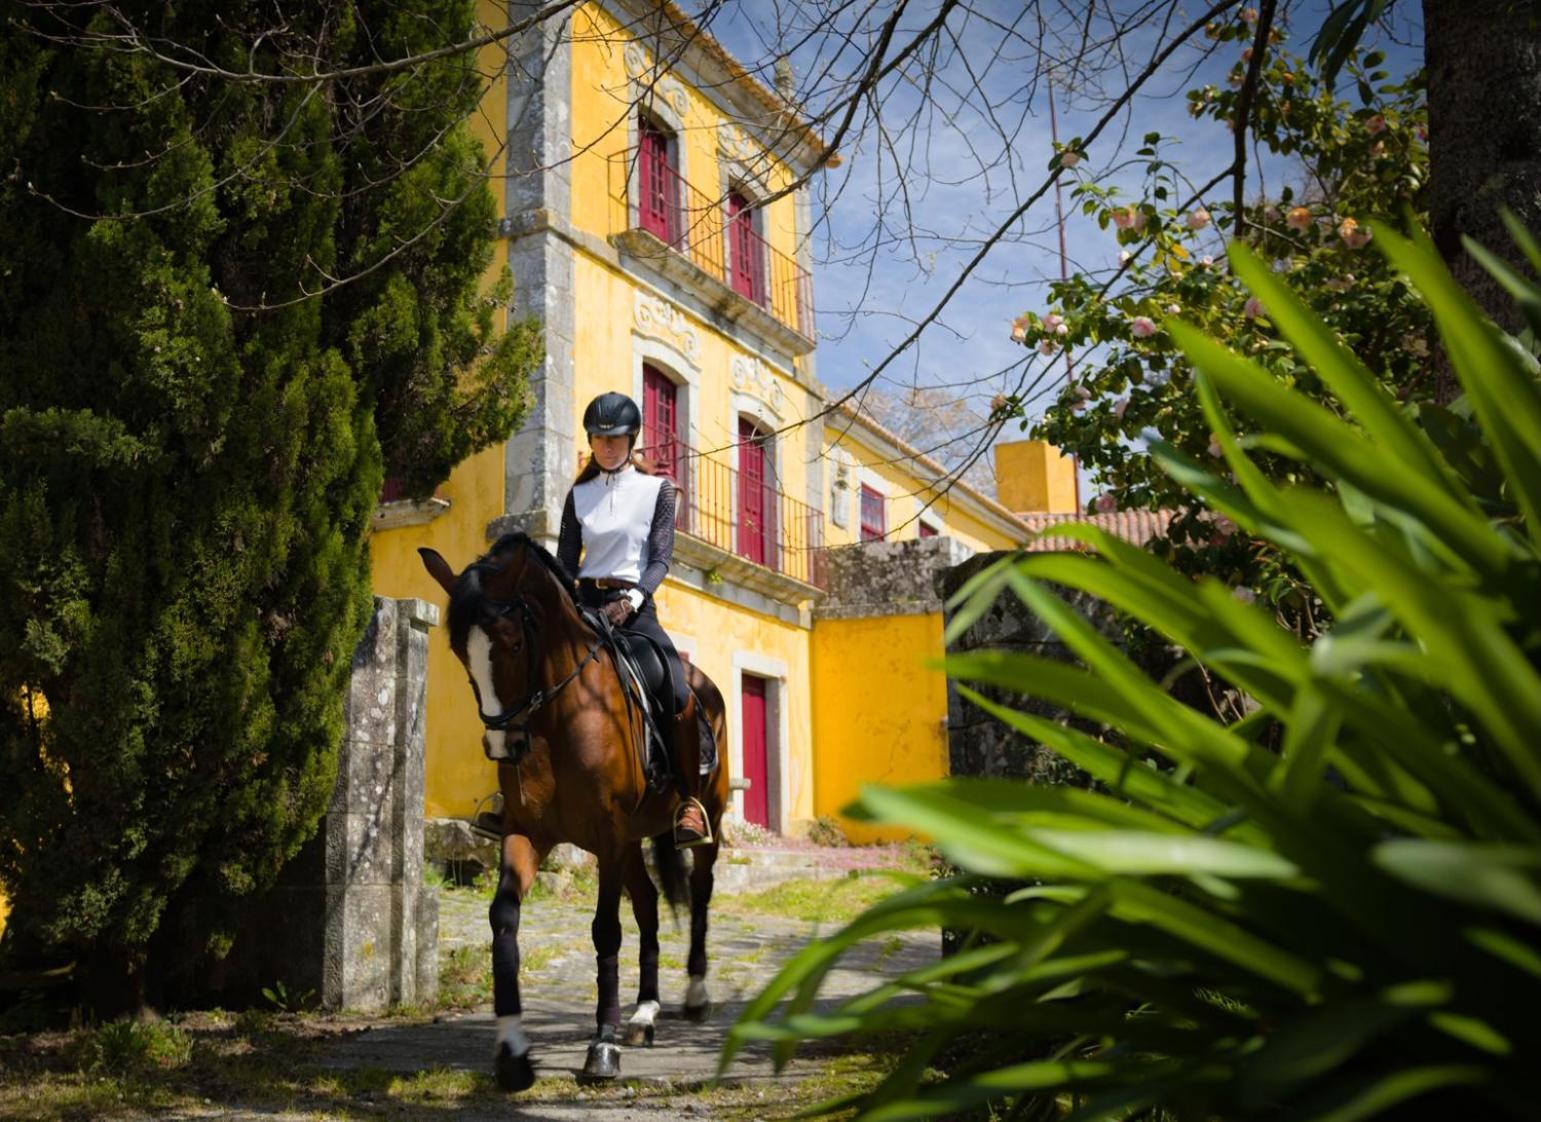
(670, 866)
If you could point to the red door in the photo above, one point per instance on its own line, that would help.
(754, 738)
(744, 245)
(756, 508)
(657, 184)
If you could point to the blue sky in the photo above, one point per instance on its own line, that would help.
(868, 301)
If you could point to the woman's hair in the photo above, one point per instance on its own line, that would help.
(591, 469)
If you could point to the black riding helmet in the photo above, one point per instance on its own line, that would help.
(613, 414)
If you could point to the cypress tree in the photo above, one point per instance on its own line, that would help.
(227, 309)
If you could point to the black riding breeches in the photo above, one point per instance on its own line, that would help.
(646, 623)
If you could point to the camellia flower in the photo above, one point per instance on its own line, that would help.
(1375, 125)
(1249, 15)
(1253, 307)
(1053, 322)
(1142, 327)
(1106, 503)
(1120, 407)
(1129, 218)
(1173, 309)
(1069, 158)
(1046, 347)
(1206, 261)
(999, 402)
(1019, 329)
(1299, 218)
(1123, 256)
(1341, 284)
(1081, 396)
(1354, 235)
(1272, 213)
(1198, 219)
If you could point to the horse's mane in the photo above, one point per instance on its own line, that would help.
(465, 605)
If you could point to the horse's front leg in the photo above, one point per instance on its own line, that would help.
(604, 1058)
(644, 906)
(511, 1060)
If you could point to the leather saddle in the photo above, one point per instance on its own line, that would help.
(648, 676)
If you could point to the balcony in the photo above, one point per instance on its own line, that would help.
(688, 237)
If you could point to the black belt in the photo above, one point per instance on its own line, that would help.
(607, 583)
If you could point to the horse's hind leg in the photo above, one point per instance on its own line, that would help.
(604, 1058)
(511, 1060)
(698, 1004)
(644, 906)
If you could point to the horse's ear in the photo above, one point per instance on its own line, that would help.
(438, 568)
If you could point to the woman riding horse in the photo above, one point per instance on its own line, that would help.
(569, 746)
(622, 521)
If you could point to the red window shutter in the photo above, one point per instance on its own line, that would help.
(660, 425)
(756, 496)
(657, 183)
(927, 530)
(747, 250)
(874, 521)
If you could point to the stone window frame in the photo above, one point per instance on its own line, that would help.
(778, 799)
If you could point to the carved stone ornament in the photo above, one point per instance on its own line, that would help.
(734, 143)
(658, 319)
(666, 87)
(753, 377)
(840, 486)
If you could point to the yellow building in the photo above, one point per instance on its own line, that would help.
(648, 221)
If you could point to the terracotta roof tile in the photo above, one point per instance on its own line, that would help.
(1134, 526)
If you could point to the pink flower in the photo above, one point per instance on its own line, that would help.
(1129, 218)
(1069, 158)
(1053, 322)
(999, 403)
(1253, 307)
(1249, 15)
(1375, 125)
(1354, 235)
(1046, 347)
(1082, 395)
(1206, 261)
(1142, 327)
(1214, 446)
(1299, 218)
(1019, 329)
(1120, 407)
(1198, 219)
(1224, 527)
(1106, 503)
(1174, 309)
(1272, 213)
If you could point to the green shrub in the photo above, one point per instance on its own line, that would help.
(1340, 930)
(128, 1047)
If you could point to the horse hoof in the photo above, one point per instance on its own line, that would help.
(603, 1062)
(637, 1036)
(698, 1014)
(514, 1073)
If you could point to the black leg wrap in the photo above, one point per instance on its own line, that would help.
(695, 965)
(647, 963)
(504, 918)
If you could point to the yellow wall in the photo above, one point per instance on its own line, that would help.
(906, 492)
(1033, 475)
(891, 735)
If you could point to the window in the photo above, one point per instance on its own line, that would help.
(756, 495)
(658, 183)
(874, 523)
(928, 531)
(661, 436)
(746, 250)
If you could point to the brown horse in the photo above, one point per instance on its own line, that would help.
(568, 742)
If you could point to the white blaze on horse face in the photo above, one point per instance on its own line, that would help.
(479, 656)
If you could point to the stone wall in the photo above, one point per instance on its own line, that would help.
(350, 924)
(885, 578)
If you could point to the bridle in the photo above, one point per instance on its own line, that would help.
(514, 722)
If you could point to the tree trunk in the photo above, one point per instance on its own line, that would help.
(1484, 73)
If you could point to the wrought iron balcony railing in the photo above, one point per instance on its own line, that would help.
(651, 198)
(741, 516)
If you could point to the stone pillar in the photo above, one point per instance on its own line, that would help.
(541, 458)
(381, 925)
